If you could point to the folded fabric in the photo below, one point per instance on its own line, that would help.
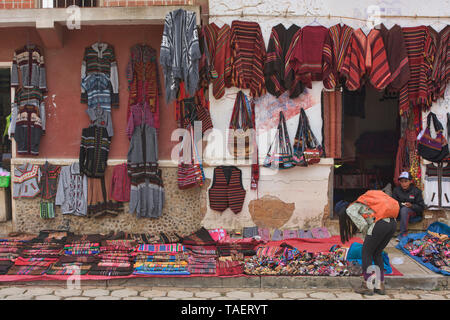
(201, 237)
(268, 251)
(110, 271)
(158, 248)
(277, 235)
(264, 233)
(305, 234)
(290, 234)
(42, 262)
(325, 233)
(27, 270)
(225, 268)
(120, 243)
(78, 259)
(250, 232)
(69, 269)
(114, 264)
(316, 233)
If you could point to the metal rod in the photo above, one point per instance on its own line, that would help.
(288, 15)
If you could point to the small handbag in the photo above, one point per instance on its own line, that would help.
(281, 158)
(307, 150)
(190, 174)
(429, 148)
(241, 126)
(47, 210)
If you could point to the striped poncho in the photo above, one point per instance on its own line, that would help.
(421, 50)
(248, 53)
(366, 57)
(180, 52)
(278, 69)
(217, 50)
(334, 52)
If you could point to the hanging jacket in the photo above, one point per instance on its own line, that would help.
(26, 181)
(227, 190)
(49, 180)
(29, 62)
(100, 58)
(94, 150)
(72, 191)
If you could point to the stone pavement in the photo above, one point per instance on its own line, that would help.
(26, 292)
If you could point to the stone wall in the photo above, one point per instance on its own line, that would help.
(181, 214)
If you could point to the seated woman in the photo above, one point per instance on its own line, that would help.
(410, 199)
(373, 214)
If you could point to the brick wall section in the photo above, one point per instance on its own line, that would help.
(28, 4)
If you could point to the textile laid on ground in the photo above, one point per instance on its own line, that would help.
(248, 53)
(28, 120)
(287, 260)
(115, 259)
(202, 259)
(431, 248)
(200, 237)
(180, 53)
(278, 68)
(10, 250)
(161, 259)
(35, 258)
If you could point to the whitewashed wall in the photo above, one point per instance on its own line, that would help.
(307, 188)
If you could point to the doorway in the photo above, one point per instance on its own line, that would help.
(371, 129)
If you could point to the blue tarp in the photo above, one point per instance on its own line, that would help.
(355, 254)
(437, 227)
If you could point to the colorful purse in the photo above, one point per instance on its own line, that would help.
(190, 174)
(429, 148)
(281, 158)
(240, 138)
(307, 150)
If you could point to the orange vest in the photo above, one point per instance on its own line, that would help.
(383, 205)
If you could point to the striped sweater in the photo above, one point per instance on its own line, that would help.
(278, 69)
(100, 58)
(334, 52)
(366, 58)
(441, 66)
(94, 151)
(217, 50)
(420, 48)
(248, 53)
(28, 109)
(29, 62)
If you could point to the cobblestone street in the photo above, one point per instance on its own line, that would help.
(170, 293)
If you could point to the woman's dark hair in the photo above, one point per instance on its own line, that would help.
(346, 226)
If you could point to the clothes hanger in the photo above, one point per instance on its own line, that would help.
(314, 22)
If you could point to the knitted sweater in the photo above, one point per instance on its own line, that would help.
(94, 150)
(29, 62)
(100, 58)
(72, 191)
